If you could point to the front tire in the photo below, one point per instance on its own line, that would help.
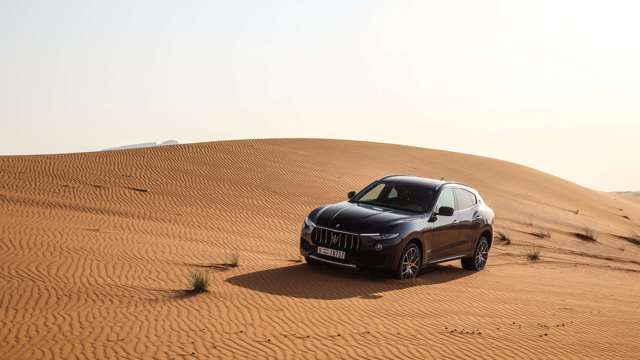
(410, 262)
(480, 256)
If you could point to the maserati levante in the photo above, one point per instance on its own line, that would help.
(401, 224)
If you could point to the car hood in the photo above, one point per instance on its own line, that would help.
(360, 218)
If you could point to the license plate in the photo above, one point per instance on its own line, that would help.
(331, 252)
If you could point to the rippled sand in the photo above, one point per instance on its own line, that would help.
(96, 250)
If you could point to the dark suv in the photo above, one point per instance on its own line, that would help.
(400, 224)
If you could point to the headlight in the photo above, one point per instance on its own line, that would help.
(308, 223)
(381, 236)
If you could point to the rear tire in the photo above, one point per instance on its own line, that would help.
(479, 258)
(310, 261)
(410, 262)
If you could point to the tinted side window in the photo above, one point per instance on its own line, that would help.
(446, 199)
(465, 199)
(472, 198)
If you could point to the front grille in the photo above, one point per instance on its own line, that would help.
(336, 239)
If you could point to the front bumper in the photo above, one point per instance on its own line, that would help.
(364, 257)
(323, 259)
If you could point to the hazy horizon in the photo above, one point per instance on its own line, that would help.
(552, 84)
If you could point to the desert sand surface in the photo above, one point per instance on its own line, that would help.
(633, 196)
(96, 251)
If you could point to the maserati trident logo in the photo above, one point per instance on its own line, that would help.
(334, 239)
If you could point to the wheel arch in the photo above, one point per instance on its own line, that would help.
(488, 233)
(411, 240)
(418, 242)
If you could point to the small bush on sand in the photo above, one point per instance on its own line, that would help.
(199, 280)
(504, 237)
(590, 235)
(234, 260)
(586, 235)
(541, 234)
(533, 254)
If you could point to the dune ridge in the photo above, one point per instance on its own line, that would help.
(96, 249)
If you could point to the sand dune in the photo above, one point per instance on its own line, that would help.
(142, 145)
(633, 196)
(96, 250)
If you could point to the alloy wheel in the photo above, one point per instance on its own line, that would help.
(482, 254)
(410, 263)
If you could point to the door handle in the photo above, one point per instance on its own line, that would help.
(455, 221)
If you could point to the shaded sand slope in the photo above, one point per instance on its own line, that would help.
(96, 249)
(633, 196)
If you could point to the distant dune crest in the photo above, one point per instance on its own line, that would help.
(630, 193)
(142, 145)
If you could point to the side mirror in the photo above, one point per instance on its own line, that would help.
(445, 211)
(351, 194)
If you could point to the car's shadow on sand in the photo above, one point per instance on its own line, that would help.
(328, 283)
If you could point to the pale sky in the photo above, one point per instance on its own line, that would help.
(552, 84)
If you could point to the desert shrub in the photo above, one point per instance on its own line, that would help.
(199, 281)
(587, 235)
(234, 260)
(533, 254)
(504, 237)
(634, 239)
(541, 234)
(590, 235)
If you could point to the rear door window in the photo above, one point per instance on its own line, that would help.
(466, 199)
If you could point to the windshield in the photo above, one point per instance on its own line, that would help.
(407, 197)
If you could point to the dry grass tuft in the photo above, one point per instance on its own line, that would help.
(634, 239)
(587, 235)
(234, 260)
(199, 281)
(533, 254)
(541, 234)
(590, 234)
(504, 237)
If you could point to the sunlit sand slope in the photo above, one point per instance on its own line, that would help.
(96, 250)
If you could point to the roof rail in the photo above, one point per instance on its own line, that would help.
(444, 182)
(455, 183)
(388, 176)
